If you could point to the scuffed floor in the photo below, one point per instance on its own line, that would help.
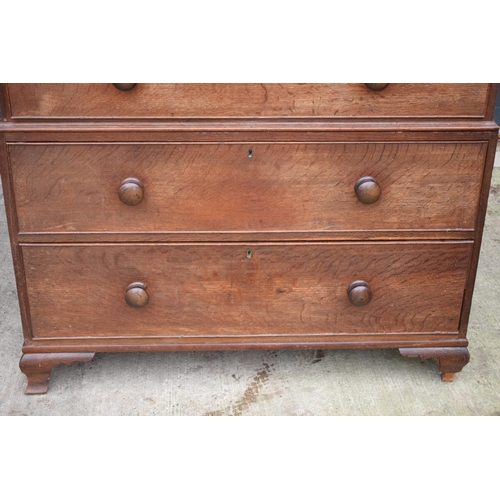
(371, 382)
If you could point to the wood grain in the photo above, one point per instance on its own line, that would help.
(4, 100)
(37, 368)
(208, 126)
(492, 100)
(282, 187)
(243, 343)
(12, 223)
(65, 150)
(481, 215)
(451, 360)
(216, 290)
(247, 131)
(248, 236)
(147, 101)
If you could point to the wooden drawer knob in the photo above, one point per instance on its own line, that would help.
(359, 293)
(367, 190)
(376, 86)
(136, 295)
(124, 86)
(131, 191)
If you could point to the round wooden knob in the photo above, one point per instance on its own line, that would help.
(367, 190)
(124, 86)
(376, 86)
(136, 295)
(359, 293)
(131, 191)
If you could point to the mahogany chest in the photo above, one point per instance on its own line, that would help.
(177, 217)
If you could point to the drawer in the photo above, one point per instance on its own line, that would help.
(246, 187)
(53, 101)
(235, 290)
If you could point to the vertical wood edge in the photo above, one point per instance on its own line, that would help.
(480, 219)
(4, 103)
(13, 227)
(491, 101)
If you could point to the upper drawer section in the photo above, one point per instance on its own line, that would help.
(176, 101)
(246, 187)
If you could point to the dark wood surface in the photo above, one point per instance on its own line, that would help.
(3, 103)
(243, 236)
(37, 367)
(227, 131)
(241, 343)
(83, 236)
(492, 101)
(451, 359)
(214, 289)
(481, 215)
(218, 188)
(12, 223)
(146, 101)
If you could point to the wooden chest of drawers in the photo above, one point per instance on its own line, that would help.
(241, 216)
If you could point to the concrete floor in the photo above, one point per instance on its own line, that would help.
(370, 382)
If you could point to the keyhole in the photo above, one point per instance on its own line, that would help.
(249, 254)
(250, 153)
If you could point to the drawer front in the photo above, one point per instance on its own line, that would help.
(220, 188)
(237, 290)
(248, 100)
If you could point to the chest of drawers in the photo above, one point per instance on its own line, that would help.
(178, 217)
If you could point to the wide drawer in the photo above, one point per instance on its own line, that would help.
(228, 290)
(169, 101)
(246, 187)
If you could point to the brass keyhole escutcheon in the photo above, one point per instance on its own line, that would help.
(250, 153)
(249, 254)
